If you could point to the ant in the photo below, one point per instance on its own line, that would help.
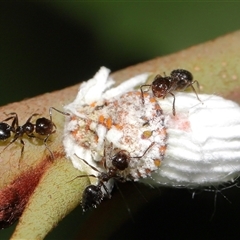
(179, 79)
(93, 194)
(43, 126)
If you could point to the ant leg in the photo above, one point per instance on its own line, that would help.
(145, 150)
(195, 90)
(173, 109)
(88, 164)
(50, 112)
(45, 143)
(14, 122)
(89, 175)
(198, 86)
(13, 140)
(7, 119)
(104, 156)
(106, 190)
(32, 135)
(33, 115)
(22, 150)
(142, 96)
(23, 144)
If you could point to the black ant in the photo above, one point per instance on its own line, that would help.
(43, 126)
(179, 79)
(93, 194)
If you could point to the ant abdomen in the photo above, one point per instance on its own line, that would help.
(5, 131)
(183, 78)
(92, 196)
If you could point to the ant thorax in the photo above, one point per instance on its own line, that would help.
(100, 131)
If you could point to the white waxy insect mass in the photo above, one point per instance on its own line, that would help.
(203, 141)
(199, 146)
(103, 124)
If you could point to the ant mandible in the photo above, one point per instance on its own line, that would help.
(43, 126)
(179, 79)
(93, 194)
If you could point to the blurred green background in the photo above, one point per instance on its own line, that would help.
(49, 46)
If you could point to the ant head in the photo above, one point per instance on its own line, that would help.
(44, 126)
(161, 86)
(121, 160)
(183, 77)
(92, 196)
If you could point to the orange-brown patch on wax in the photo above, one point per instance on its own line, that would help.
(152, 100)
(145, 94)
(158, 108)
(162, 149)
(182, 123)
(74, 132)
(186, 125)
(101, 119)
(133, 93)
(147, 171)
(109, 123)
(115, 103)
(163, 131)
(144, 118)
(157, 162)
(73, 117)
(93, 104)
(96, 138)
(118, 126)
(146, 134)
(139, 174)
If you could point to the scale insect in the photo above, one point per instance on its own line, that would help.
(93, 194)
(43, 127)
(178, 80)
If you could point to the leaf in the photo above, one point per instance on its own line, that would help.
(214, 64)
